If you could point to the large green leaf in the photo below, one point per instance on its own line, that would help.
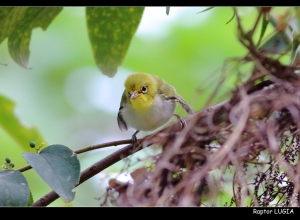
(9, 18)
(8, 121)
(19, 23)
(110, 31)
(167, 10)
(59, 167)
(14, 190)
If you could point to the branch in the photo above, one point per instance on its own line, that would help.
(157, 138)
(90, 172)
(89, 148)
(110, 160)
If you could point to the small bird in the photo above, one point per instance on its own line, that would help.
(147, 103)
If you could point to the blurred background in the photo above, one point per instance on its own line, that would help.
(72, 103)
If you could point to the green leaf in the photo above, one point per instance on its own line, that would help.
(295, 56)
(264, 26)
(14, 190)
(10, 123)
(297, 13)
(9, 18)
(110, 31)
(205, 9)
(30, 200)
(231, 18)
(28, 19)
(59, 167)
(167, 10)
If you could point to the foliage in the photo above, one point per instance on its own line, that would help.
(14, 188)
(59, 167)
(13, 127)
(110, 40)
(254, 133)
(17, 24)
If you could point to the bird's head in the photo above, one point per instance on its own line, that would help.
(141, 88)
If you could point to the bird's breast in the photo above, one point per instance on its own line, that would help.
(146, 116)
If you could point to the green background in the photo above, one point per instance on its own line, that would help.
(72, 103)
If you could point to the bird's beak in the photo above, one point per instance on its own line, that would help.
(133, 95)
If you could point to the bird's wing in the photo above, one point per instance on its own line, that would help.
(121, 123)
(184, 104)
(165, 88)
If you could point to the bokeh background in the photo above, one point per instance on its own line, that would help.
(72, 103)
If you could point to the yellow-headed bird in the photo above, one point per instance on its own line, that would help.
(147, 103)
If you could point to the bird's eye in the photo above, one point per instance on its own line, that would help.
(144, 89)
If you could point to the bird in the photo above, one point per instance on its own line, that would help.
(147, 103)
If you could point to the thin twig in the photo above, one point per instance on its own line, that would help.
(91, 171)
(89, 148)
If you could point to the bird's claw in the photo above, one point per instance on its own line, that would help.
(134, 138)
(181, 121)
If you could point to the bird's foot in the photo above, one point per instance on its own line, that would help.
(181, 121)
(134, 139)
